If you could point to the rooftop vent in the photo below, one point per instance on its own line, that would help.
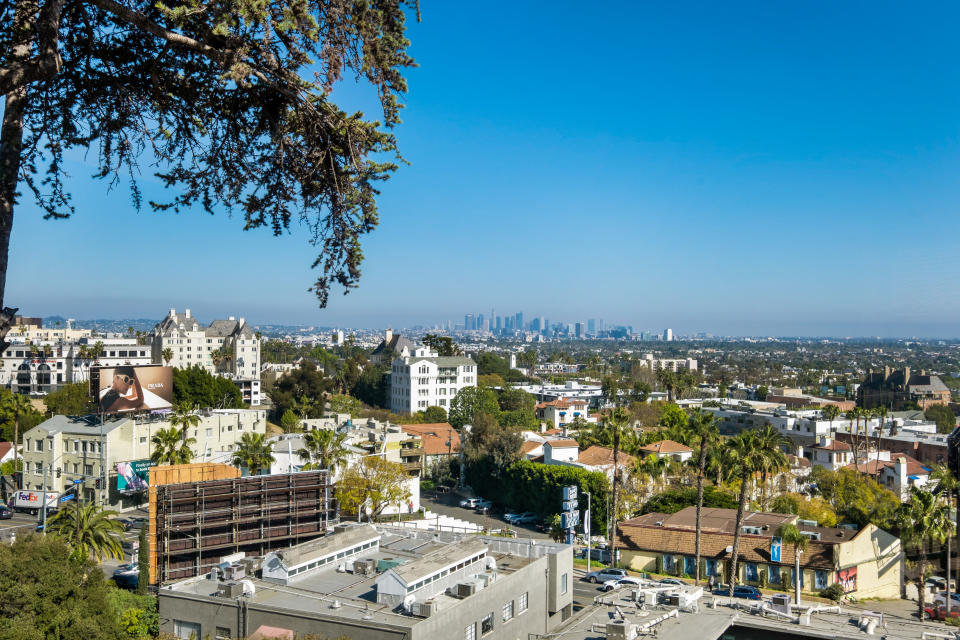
(812, 535)
(807, 523)
(465, 589)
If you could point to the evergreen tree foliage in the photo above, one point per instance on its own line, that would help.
(196, 387)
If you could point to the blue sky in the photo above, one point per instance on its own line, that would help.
(736, 168)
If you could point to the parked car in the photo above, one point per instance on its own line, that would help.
(939, 582)
(673, 581)
(750, 593)
(469, 503)
(482, 510)
(127, 576)
(610, 585)
(605, 574)
(940, 613)
(526, 517)
(940, 599)
(510, 515)
(442, 488)
(484, 503)
(5, 512)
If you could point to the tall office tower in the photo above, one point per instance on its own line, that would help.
(466, 322)
(546, 327)
(480, 324)
(535, 325)
(591, 326)
(579, 330)
(493, 317)
(518, 322)
(668, 335)
(499, 326)
(600, 325)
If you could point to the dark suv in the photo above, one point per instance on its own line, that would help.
(750, 593)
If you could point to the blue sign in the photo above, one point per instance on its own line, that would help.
(78, 481)
(69, 496)
(775, 547)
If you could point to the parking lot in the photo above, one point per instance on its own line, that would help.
(448, 504)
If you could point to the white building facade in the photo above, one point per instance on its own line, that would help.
(425, 379)
(228, 348)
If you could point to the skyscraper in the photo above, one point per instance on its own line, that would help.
(668, 335)
(518, 321)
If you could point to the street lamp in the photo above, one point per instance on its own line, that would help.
(586, 530)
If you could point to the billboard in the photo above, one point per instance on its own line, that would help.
(133, 476)
(128, 388)
(847, 578)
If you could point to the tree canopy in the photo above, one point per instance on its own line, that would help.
(855, 497)
(197, 387)
(229, 103)
(71, 399)
(673, 500)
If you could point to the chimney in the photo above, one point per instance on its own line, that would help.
(186, 313)
(173, 312)
(901, 470)
(800, 451)
(388, 335)
(232, 319)
(240, 321)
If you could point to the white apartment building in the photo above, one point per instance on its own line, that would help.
(76, 446)
(34, 366)
(673, 364)
(228, 348)
(425, 379)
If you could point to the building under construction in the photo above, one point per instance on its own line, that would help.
(194, 524)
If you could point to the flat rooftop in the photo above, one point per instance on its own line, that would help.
(342, 594)
(711, 624)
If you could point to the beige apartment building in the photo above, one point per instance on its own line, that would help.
(85, 451)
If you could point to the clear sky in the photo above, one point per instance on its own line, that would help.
(737, 168)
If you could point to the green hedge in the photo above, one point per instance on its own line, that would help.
(532, 486)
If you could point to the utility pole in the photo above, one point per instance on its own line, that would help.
(43, 502)
(586, 530)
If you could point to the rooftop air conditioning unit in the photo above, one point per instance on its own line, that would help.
(811, 535)
(466, 589)
(235, 571)
(807, 523)
(231, 589)
(424, 609)
(750, 530)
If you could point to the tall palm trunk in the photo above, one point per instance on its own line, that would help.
(701, 471)
(920, 581)
(613, 498)
(741, 507)
(854, 435)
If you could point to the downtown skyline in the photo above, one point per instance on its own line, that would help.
(750, 171)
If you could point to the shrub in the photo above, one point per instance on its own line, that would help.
(833, 592)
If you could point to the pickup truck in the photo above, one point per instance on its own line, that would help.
(31, 501)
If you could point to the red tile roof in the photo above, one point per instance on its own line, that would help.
(563, 403)
(561, 443)
(833, 446)
(914, 466)
(434, 437)
(529, 445)
(597, 456)
(666, 446)
(5, 448)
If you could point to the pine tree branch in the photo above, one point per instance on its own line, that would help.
(45, 65)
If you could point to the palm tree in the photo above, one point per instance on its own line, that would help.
(167, 355)
(171, 446)
(324, 448)
(831, 412)
(254, 453)
(744, 457)
(789, 534)
(947, 485)
(89, 529)
(772, 442)
(617, 422)
(923, 518)
(97, 350)
(881, 413)
(701, 426)
(667, 380)
(16, 406)
(854, 415)
(184, 417)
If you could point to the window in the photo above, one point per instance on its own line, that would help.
(486, 624)
(508, 611)
(523, 602)
(38, 467)
(143, 439)
(39, 445)
(563, 584)
(88, 469)
(470, 633)
(773, 574)
(76, 467)
(223, 633)
(184, 629)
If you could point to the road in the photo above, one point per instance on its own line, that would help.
(24, 523)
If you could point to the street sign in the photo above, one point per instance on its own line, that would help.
(69, 496)
(569, 505)
(775, 547)
(570, 493)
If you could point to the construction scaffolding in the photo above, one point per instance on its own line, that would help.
(195, 524)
